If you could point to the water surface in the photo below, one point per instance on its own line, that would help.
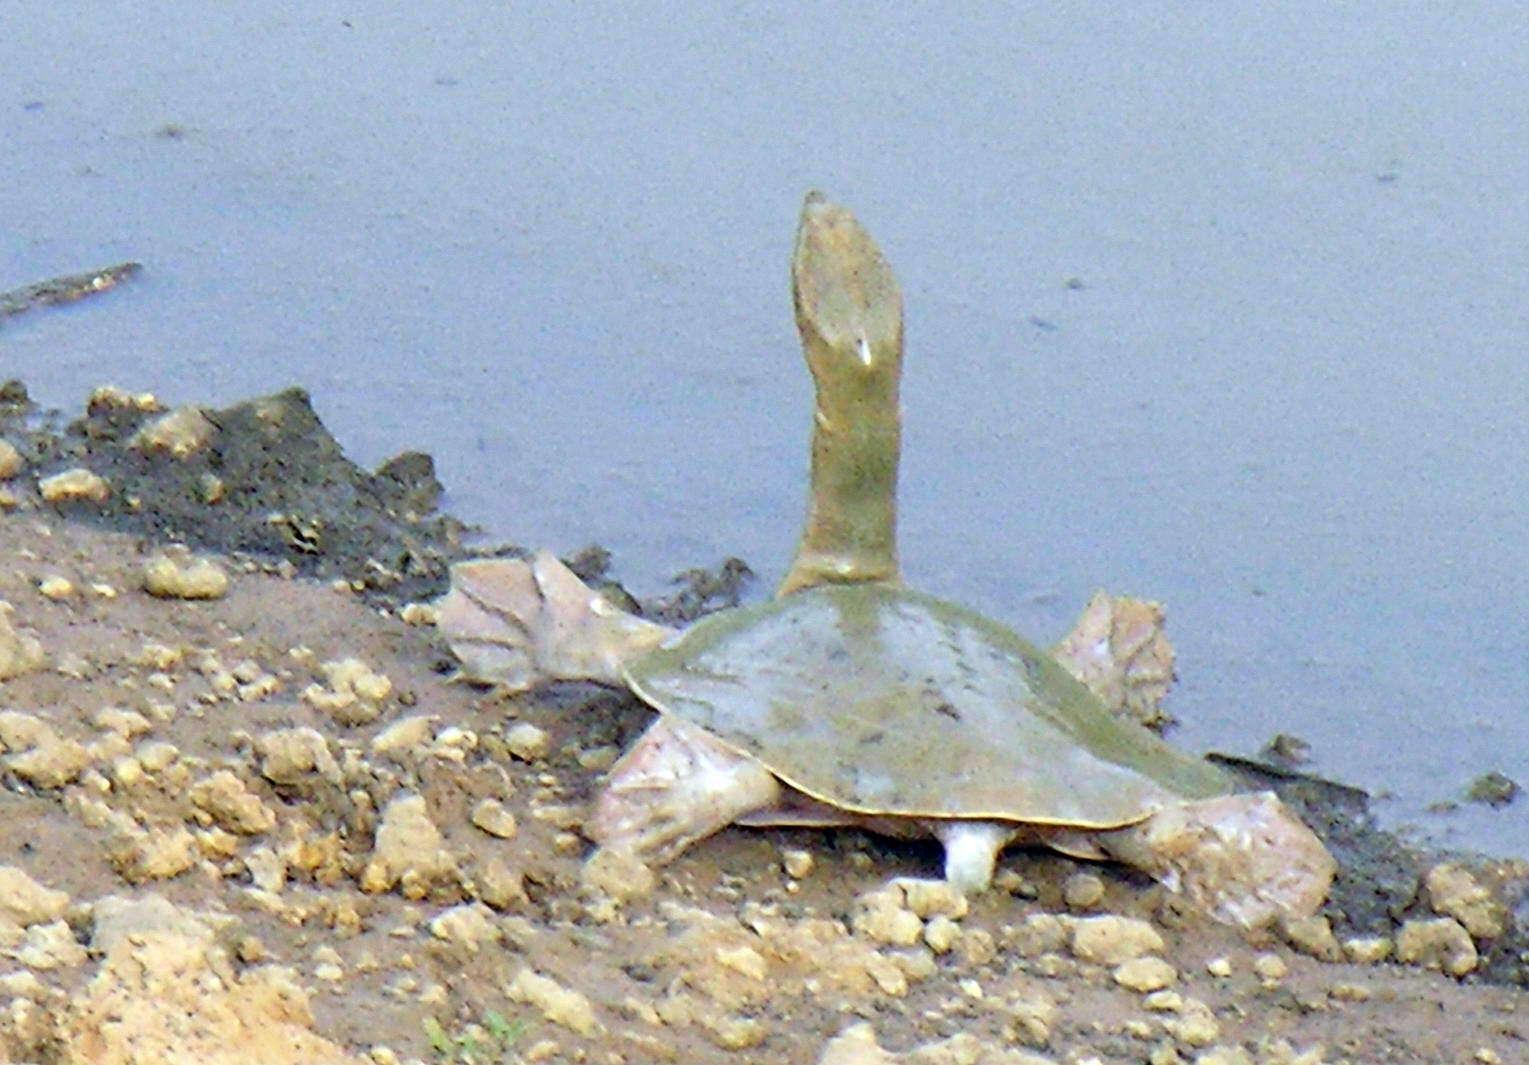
(1226, 307)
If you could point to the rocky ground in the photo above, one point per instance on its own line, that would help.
(251, 818)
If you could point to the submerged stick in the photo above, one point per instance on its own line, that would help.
(65, 289)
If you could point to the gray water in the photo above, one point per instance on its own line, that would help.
(547, 243)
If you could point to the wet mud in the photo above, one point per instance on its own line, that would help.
(268, 481)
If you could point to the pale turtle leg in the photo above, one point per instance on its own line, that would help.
(1245, 858)
(516, 624)
(678, 784)
(971, 851)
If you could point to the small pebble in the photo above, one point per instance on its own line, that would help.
(1145, 974)
(1082, 891)
(1313, 935)
(526, 742)
(180, 433)
(598, 759)
(404, 733)
(797, 863)
(419, 614)
(1367, 950)
(1454, 891)
(941, 934)
(73, 485)
(1110, 940)
(1442, 943)
(127, 771)
(11, 462)
(1270, 967)
(56, 587)
(491, 816)
(168, 577)
(1349, 992)
(1010, 882)
(1197, 1027)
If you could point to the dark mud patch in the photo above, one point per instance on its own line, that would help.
(269, 482)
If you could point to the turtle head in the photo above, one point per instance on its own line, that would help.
(849, 312)
(848, 307)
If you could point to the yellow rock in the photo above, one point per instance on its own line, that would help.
(408, 850)
(166, 576)
(27, 902)
(230, 803)
(1145, 974)
(136, 1007)
(492, 817)
(19, 652)
(1270, 966)
(618, 875)
(558, 1004)
(11, 462)
(74, 485)
(1312, 935)
(1110, 940)
(1367, 950)
(1442, 943)
(182, 432)
(1455, 892)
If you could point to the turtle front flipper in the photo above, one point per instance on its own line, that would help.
(678, 784)
(517, 624)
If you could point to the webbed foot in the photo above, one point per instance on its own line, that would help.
(1245, 858)
(518, 623)
(676, 785)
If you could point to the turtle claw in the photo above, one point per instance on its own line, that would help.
(517, 623)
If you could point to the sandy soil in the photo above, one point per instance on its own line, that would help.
(266, 825)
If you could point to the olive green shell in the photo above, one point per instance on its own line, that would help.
(881, 700)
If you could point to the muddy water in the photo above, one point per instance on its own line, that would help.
(1217, 307)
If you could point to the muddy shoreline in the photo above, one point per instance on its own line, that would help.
(263, 485)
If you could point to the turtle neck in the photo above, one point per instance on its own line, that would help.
(849, 314)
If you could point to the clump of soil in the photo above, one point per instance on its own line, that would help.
(266, 825)
(263, 477)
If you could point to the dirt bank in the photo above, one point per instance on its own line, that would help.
(263, 824)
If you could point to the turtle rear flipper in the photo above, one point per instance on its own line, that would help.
(1245, 858)
(971, 850)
